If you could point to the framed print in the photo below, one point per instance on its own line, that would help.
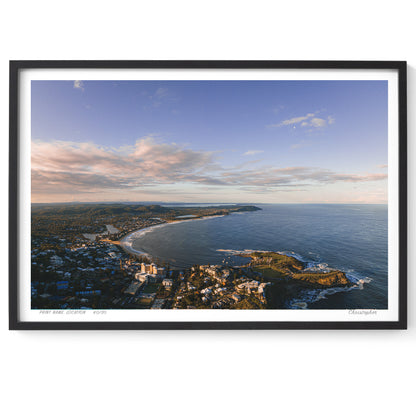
(208, 195)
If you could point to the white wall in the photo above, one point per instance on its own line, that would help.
(325, 373)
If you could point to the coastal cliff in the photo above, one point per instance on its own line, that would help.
(333, 278)
(279, 267)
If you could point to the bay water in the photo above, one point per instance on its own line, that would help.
(351, 238)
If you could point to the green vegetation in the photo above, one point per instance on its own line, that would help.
(275, 266)
(151, 288)
(333, 278)
(249, 303)
(132, 209)
(71, 221)
(144, 303)
(276, 260)
(269, 272)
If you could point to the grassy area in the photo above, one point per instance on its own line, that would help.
(277, 266)
(270, 273)
(145, 302)
(333, 278)
(152, 288)
(249, 303)
(277, 260)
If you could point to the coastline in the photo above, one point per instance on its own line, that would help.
(308, 296)
(127, 241)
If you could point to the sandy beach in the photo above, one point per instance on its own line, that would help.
(127, 241)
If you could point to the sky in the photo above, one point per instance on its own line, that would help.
(209, 141)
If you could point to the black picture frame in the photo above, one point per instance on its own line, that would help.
(14, 175)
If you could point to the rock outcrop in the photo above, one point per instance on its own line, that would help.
(333, 278)
(276, 266)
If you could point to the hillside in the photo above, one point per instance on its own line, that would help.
(276, 266)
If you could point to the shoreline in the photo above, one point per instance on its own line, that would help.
(127, 241)
(303, 300)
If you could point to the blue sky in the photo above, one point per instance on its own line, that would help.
(209, 141)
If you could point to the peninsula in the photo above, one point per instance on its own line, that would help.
(277, 266)
(82, 259)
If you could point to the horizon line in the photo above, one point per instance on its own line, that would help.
(211, 202)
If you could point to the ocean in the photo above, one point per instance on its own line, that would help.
(351, 238)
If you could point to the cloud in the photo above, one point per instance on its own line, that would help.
(382, 166)
(294, 177)
(294, 120)
(79, 85)
(302, 143)
(159, 96)
(252, 152)
(317, 122)
(309, 120)
(86, 166)
(60, 167)
(161, 92)
(278, 109)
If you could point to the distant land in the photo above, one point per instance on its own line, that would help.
(196, 204)
(131, 209)
(163, 203)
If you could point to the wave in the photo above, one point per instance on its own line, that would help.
(293, 254)
(315, 295)
(129, 239)
(312, 295)
(238, 252)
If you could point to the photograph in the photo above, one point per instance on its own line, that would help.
(210, 196)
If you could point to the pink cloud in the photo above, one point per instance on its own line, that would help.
(60, 167)
(60, 164)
